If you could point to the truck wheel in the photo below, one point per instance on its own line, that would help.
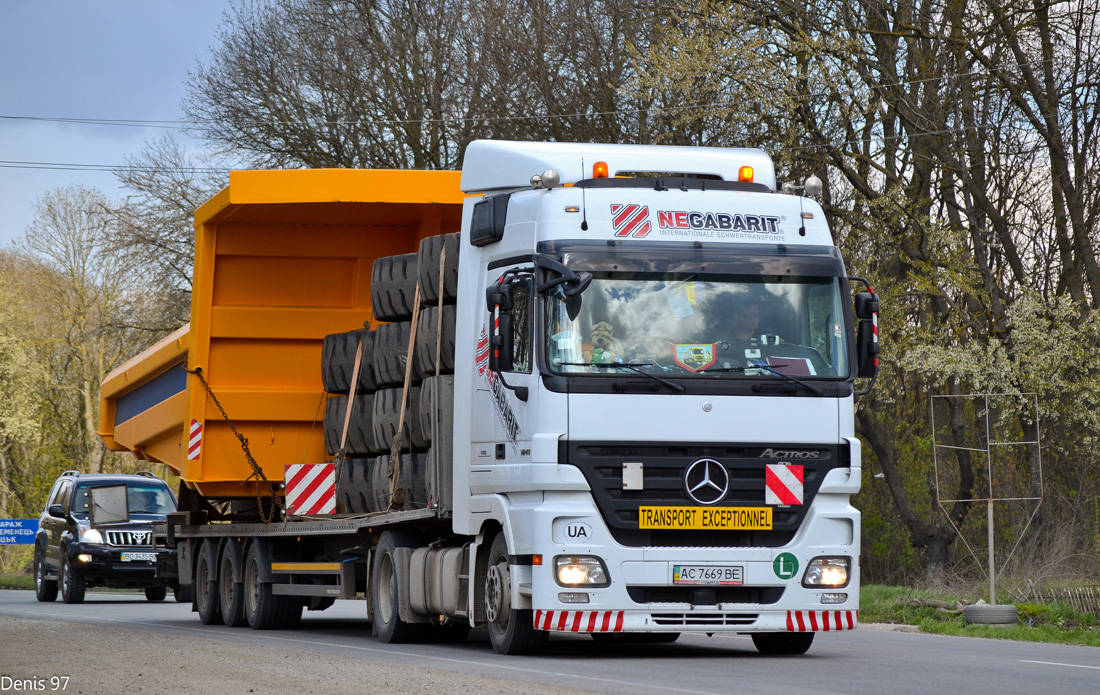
(206, 589)
(45, 590)
(428, 268)
(393, 287)
(511, 630)
(385, 590)
(782, 642)
(72, 585)
(262, 607)
(230, 593)
(156, 593)
(183, 594)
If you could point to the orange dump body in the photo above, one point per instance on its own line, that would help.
(282, 258)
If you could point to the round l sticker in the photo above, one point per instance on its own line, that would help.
(785, 566)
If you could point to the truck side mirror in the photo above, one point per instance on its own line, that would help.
(867, 345)
(500, 300)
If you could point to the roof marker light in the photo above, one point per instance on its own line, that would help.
(744, 174)
(600, 170)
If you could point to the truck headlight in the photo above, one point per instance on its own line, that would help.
(90, 535)
(827, 571)
(580, 570)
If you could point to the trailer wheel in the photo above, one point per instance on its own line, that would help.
(385, 590)
(264, 609)
(230, 593)
(206, 589)
(782, 642)
(511, 630)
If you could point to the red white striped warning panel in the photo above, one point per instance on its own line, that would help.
(579, 621)
(821, 621)
(311, 488)
(783, 484)
(194, 442)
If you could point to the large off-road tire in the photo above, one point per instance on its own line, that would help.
(428, 269)
(45, 590)
(156, 593)
(360, 440)
(511, 630)
(393, 287)
(338, 361)
(427, 334)
(353, 487)
(386, 586)
(387, 415)
(206, 590)
(782, 642)
(263, 609)
(391, 351)
(72, 584)
(230, 592)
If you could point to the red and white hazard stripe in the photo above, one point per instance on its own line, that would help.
(579, 621)
(194, 443)
(311, 488)
(783, 484)
(630, 220)
(821, 621)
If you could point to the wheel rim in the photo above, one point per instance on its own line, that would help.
(39, 580)
(64, 577)
(385, 588)
(252, 585)
(497, 602)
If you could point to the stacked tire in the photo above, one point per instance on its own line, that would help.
(363, 478)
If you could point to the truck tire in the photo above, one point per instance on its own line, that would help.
(391, 351)
(511, 630)
(427, 331)
(782, 642)
(183, 594)
(428, 268)
(263, 609)
(353, 487)
(72, 585)
(230, 592)
(45, 590)
(393, 287)
(380, 485)
(387, 414)
(386, 587)
(440, 387)
(338, 361)
(206, 590)
(360, 441)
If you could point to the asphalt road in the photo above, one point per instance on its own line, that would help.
(864, 661)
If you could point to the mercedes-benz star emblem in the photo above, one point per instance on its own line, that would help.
(706, 481)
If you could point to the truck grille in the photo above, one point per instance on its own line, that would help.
(704, 619)
(131, 538)
(663, 468)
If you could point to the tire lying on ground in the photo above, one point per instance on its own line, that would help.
(393, 287)
(360, 441)
(987, 614)
(338, 362)
(428, 268)
(427, 335)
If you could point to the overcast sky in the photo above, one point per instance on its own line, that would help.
(99, 59)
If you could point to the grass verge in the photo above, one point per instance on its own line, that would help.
(1057, 623)
(16, 581)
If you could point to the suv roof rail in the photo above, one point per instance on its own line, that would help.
(72, 472)
(147, 474)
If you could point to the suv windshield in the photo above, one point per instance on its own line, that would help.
(144, 498)
(683, 324)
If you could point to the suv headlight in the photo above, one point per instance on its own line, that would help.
(580, 570)
(90, 535)
(827, 571)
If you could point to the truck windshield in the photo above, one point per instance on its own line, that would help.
(685, 324)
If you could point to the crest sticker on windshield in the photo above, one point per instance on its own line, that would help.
(695, 357)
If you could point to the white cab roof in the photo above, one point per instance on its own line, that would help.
(491, 165)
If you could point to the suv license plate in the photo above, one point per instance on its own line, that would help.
(139, 557)
(708, 575)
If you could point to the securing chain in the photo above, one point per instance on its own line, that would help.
(257, 472)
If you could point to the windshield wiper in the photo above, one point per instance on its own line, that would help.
(632, 367)
(770, 370)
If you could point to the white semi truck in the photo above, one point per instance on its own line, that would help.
(626, 407)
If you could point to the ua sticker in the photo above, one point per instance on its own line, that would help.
(785, 566)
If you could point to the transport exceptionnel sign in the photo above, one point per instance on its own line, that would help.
(18, 531)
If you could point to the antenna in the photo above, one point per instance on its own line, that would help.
(584, 204)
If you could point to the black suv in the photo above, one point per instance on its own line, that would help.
(69, 552)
